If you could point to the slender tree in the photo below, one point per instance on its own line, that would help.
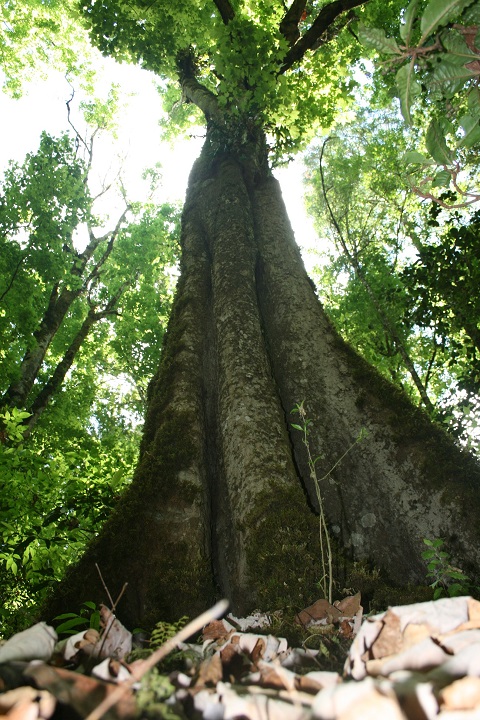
(223, 501)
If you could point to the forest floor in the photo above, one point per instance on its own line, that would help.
(414, 662)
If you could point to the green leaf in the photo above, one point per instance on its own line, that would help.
(428, 542)
(11, 565)
(450, 77)
(412, 157)
(474, 102)
(376, 38)
(297, 427)
(439, 13)
(90, 604)
(69, 625)
(95, 620)
(442, 179)
(455, 44)
(471, 127)
(64, 616)
(456, 589)
(437, 145)
(472, 15)
(408, 89)
(22, 415)
(407, 21)
(457, 575)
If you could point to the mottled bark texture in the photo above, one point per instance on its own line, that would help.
(222, 503)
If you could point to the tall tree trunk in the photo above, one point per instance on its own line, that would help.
(222, 502)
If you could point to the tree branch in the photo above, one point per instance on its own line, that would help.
(289, 23)
(12, 279)
(225, 10)
(324, 20)
(112, 236)
(195, 92)
(58, 376)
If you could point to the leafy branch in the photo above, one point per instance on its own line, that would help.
(439, 61)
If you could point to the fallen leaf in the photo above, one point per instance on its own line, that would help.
(424, 656)
(265, 647)
(35, 643)
(210, 673)
(435, 618)
(373, 707)
(345, 629)
(277, 677)
(85, 641)
(350, 605)
(82, 693)
(313, 682)
(473, 610)
(463, 694)
(252, 706)
(23, 711)
(320, 610)
(11, 675)
(453, 643)
(443, 615)
(416, 696)
(389, 640)
(234, 661)
(111, 670)
(116, 640)
(216, 630)
(352, 701)
(466, 662)
(413, 634)
(25, 696)
(255, 620)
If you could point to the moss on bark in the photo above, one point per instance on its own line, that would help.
(222, 503)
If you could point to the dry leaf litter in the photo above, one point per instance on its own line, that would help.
(414, 662)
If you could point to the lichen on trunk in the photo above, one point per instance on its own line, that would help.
(222, 503)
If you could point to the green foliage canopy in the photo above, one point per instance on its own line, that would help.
(42, 201)
(437, 68)
(262, 63)
(58, 487)
(391, 255)
(36, 36)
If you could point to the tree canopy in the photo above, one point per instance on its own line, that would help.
(264, 64)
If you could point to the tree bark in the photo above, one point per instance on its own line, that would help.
(222, 502)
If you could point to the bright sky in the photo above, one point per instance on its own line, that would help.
(139, 144)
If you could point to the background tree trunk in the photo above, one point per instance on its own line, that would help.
(222, 502)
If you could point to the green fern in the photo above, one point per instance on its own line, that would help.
(163, 631)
